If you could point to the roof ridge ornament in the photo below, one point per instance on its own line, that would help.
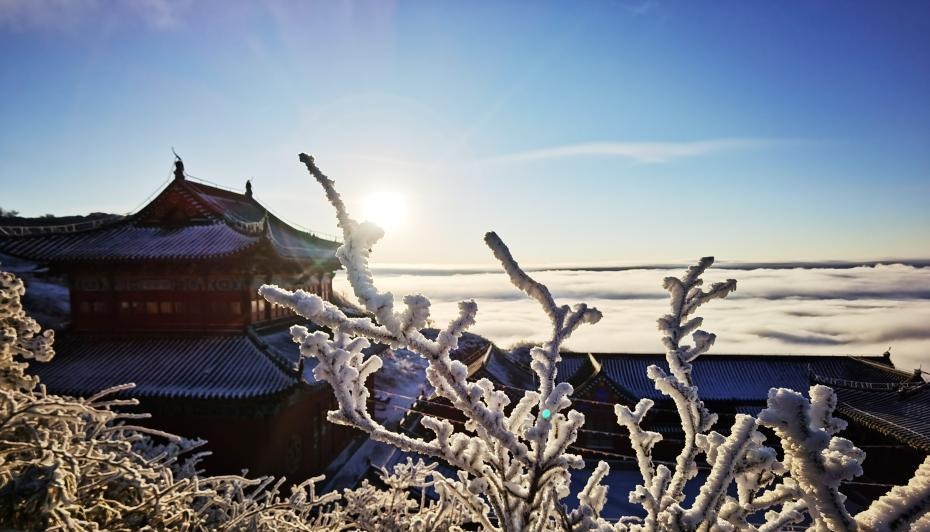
(178, 166)
(248, 188)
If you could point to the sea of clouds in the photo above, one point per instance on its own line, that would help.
(845, 309)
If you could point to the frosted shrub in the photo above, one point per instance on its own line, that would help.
(512, 461)
(394, 510)
(80, 464)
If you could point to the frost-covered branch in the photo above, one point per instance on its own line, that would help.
(518, 463)
(662, 490)
(817, 461)
(902, 507)
(650, 493)
(686, 297)
(21, 338)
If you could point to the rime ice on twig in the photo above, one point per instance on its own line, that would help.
(686, 297)
(21, 338)
(663, 489)
(902, 508)
(817, 461)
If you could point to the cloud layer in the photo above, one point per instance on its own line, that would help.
(859, 310)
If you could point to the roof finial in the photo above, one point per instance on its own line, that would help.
(178, 166)
(248, 188)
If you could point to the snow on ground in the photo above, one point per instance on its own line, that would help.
(16, 265)
(47, 300)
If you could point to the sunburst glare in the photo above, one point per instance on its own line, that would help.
(385, 208)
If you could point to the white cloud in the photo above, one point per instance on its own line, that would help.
(861, 310)
(644, 152)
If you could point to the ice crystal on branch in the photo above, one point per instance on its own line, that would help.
(21, 338)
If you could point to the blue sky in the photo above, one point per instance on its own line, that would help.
(584, 132)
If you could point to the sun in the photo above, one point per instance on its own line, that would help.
(385, 208)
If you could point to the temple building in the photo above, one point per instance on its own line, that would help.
(166, 298)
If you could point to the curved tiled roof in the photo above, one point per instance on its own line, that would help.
(570, 365)
(219, 223)
(132, 242)
(499, 368)
(195, 367)
(744, 378)
(903, 416)
(870, 391)
(234, 204)
(293, 244)
(21, 226)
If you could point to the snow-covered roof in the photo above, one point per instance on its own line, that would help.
(870, 391)
(131, 242)
(229, 366)
(512, 369)
(186, 221)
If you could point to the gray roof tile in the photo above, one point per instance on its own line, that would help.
(202, 367)
(743, 378)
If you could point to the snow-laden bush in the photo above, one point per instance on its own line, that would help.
(513, 462)
(81, 465)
